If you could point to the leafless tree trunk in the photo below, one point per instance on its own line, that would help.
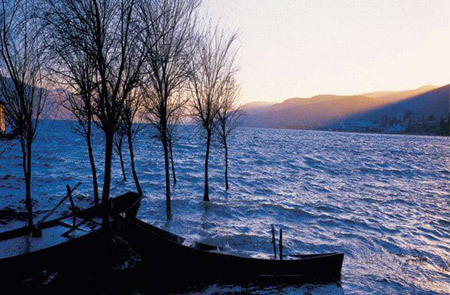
(132, 124)
(211, 70)
(174, 175)
(170, 33)
(85, 124)
(21, 79)
(175, 120)
(133, 166)
(118, 140)
(92, 160)
(228, 118)
(226, 166)
(208, 146)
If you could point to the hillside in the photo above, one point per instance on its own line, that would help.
(395, 96)
(424, 110)
(53, 110)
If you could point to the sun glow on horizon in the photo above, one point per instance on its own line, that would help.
(304, 48)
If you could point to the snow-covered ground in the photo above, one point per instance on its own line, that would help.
(383, 200)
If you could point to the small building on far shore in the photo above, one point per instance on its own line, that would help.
(2, 117)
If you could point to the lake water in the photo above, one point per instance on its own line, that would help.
(383, 200)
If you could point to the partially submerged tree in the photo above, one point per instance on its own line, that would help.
(81, 106)
(22, 78)
(170, 139)
(211, 71)
(108, 32)
(132, 118)
(228, 118)
(170, 31)
(118, 144)
(174, 123)
(72, 69)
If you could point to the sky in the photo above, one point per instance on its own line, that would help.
(301, 48)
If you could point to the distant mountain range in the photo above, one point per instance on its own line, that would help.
(424, 110)
(53, 110)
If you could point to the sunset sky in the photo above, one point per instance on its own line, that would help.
(303, 48)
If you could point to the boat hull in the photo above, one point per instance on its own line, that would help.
(167, 256)
(70, 257)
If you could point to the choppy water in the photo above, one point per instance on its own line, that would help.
(383, 200)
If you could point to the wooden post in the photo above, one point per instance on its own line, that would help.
(281, 244)
(72, 204)
(274, 242)
(57, 206)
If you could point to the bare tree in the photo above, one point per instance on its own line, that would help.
(81, 106)
(118, 143)
(228, 118)
(174, 122)
(108, 32)
(72, 70)
(170, 33)
(211, 70)
(132, 124)
(21, 79)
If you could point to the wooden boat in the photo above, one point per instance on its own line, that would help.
(167, 254)
(72, 244)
